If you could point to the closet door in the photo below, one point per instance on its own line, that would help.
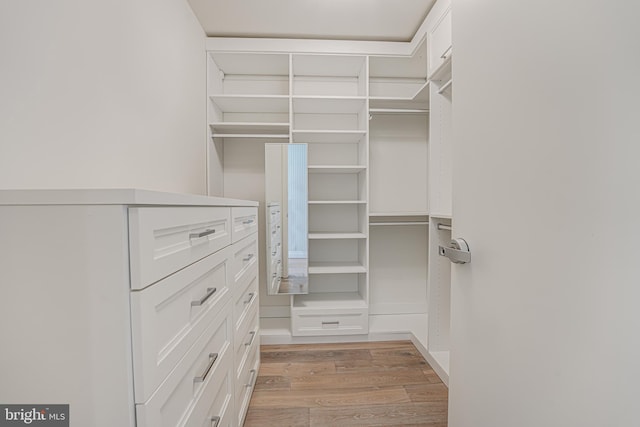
(545, 318)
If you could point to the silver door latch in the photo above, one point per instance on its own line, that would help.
(457, 251)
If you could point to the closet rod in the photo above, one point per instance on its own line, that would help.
(441, 226)
(251, 135)
(398, 110)
(445, 86)
(400, 223)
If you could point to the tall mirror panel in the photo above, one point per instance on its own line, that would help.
(286, 195)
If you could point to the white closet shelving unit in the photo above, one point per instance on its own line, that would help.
(329, 113)
(398, 218)
(440, 185)
(377, 124)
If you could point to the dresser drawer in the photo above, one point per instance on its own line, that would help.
(244, 222)
(245, 258)
(245, 301)
(246, 332)
(215, 406)
(166, 239)
(339, 322)
(246, 382)
(198, 374)
(168, 317)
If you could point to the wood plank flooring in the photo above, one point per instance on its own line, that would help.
(348, 384)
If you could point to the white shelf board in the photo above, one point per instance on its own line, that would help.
(425, 214)
(252, 103)
(337, 202)
(329, 300)
(419, 100)
(249, 127)
(319, 236)
(252, 135)
(328, 104)
(328, 136)
(336, 168)
(336, 267)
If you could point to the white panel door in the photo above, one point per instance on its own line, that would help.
(545, 321)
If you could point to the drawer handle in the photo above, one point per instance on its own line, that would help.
(252, 378)
(253, 336)
(210, 291)
(212, 360)
(215, 421)
(446, 52)
(249, 221)
(331, 323)
(247, 258)
(204, 233)
(251, 296)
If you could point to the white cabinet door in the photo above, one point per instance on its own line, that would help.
(545, 319)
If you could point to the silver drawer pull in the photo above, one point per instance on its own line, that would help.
(251, 296)
(215, 421)
(247, 258)
(212, 360)
(252, 378)
(336, 323)
(253, 336)
(210, 291)
(249, 221)
(204, 233)
(274, 253)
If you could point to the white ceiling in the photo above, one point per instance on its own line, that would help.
(379, 20)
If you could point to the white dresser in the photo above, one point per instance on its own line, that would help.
(136, 308)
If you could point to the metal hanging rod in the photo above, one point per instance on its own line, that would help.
(441, 226)
(400, 223)
(398, 110)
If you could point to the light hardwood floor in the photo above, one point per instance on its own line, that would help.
(349, 384)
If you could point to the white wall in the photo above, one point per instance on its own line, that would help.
(98, 93)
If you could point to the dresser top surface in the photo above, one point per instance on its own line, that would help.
(113, 196)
